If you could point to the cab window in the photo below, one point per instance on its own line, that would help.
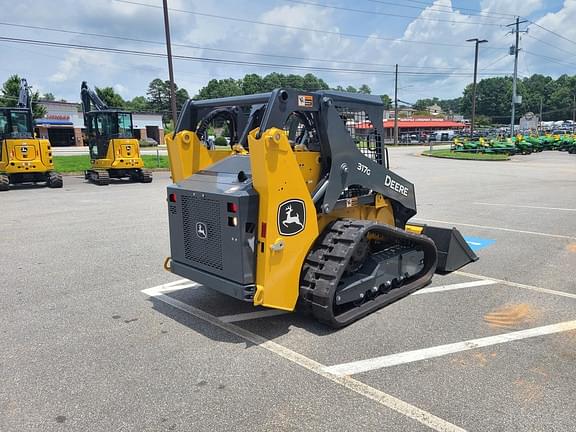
(20, 126)
(4, 124)
(124, 125)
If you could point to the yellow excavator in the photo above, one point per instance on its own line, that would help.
(301, 208)
(23, 157)
(114, 151)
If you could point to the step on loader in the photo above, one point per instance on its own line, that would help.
(301, 208)
(23, 157)
(114, 152)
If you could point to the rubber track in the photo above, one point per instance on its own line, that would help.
(327, 260)
(100, 177)
(54, 180)
(4, 182)
(146, 176)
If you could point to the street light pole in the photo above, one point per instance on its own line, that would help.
(170, 67)
(396, 106)
(540, 118)
(472, 120)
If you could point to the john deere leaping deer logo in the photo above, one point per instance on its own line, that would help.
(291, 217)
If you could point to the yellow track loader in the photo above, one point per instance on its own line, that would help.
(23, 158)
(301, 208)
(114, 152)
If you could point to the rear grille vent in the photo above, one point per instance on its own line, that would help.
(172, 209)
(201, 220)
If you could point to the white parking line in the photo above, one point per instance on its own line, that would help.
(518, 285)
(442, 350)
(457, 286)
(170, 287)
(525, 206)
(384, 399)
(497, 228)
(251, 315)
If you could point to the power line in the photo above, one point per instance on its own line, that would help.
(128, 39)
(225, 61)
(371, 12)
(550, 59)
(432, 6)
(494, 62)
(553, 32)
(551, 45)
(335, 33)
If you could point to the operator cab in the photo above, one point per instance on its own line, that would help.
(104, 126)
(15, 123)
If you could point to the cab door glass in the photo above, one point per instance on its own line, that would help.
(20, 126)
(124, 125)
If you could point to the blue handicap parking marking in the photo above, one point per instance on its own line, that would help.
(477, 243)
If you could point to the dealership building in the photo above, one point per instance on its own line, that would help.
(63, 124)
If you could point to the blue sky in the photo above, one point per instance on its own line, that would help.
(435, 62)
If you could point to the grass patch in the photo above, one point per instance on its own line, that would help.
(67, 164)
(448, 154)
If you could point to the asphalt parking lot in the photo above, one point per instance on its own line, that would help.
(96, 336)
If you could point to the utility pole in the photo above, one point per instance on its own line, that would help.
(514, 50)
(170, 67)
(540, 118)
(477, 42)
(396, 106)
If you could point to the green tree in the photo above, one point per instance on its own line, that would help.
(10, 92)
(313, 83)
(351, 89)
(364, 89)
(217, 88)
(138, 103)
(48, 97)
(272, 81)
(387, 101)
(451, 105)
(493, 97)
(110, 97)
(423, 104)
(252, 84)
(158, 97)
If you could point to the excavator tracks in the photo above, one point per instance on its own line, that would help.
(54, 180)
(4, 182)
(145, 176)
(98, 177)
(358, 266)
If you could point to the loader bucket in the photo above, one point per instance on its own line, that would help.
(453, 251)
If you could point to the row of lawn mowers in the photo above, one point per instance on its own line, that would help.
(520, 144)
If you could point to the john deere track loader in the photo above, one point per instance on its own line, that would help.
(301, 208)
(23, 158)
(114, 152)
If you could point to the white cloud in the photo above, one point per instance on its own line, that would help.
(61, 70)
(512, 7)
